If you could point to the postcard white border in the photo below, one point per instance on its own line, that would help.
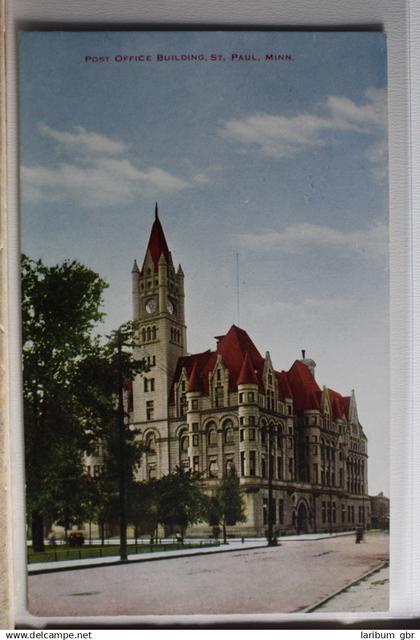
(394, 16)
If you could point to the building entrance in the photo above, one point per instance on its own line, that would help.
(302, 519)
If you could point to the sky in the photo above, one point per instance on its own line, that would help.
(273, 170)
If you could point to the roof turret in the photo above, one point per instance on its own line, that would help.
(247, 374)
(193, 380)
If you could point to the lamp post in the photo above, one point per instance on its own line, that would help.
(125, 367)
(122, 457)
(363, 505)
(271, 540)
(330, 510)
(270, 488)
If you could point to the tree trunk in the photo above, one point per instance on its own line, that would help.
(66, 528)
(37, 531)
(102, 529)
(224, 531)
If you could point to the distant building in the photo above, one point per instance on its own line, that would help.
(227, 407)
(379, 506)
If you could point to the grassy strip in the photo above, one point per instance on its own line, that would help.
(64, 552)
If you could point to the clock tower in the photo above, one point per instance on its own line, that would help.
(158, 307)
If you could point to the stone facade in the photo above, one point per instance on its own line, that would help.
(229, 408)
(379, 511)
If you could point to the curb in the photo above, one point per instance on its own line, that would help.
(312, 607)
(135, 561)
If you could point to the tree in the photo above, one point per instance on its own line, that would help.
(105, 378)
(227, 505)
(213, 515)
(60, 308)
(143, 507)
(180, 501)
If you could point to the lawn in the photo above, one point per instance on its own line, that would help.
(65, 552)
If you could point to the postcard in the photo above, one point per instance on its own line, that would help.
(205, 317)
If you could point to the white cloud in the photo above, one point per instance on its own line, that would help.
(97, 173)
(82, 141)
(301, 237)
(206, 176)
(282, 136)
(377, 155)
(105, 182)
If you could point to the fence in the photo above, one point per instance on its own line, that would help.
(93, 551)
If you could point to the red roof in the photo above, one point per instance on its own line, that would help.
(157, 242)
(233, 347)
(306, 393)
(283, 385)
(246, 365)
(193, 381)
(247, 373)
(339, 404)
(204, 363)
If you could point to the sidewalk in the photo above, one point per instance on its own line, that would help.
(367, 594)
(234, 544)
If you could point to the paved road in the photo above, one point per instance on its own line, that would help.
(284, 579)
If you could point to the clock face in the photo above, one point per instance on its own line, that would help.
(170, 307)
(151, 306)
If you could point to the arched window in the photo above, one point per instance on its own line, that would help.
(213, 469)
(183, 442)
(149, 333)
(211, 434)
(143, 335)
(228, 431)
(153, 333)
(229, 466)
(150, 444)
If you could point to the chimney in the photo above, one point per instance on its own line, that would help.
(311, 364)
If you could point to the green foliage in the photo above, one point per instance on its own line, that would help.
(104, 378)
(227, 506)
(213, 511)
(71, 383)
(181, 502)
(230, 499)
(60, 307)
(143, 506)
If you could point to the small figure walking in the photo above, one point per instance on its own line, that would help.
(179, 538)
(359, 535)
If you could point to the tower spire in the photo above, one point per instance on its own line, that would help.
(157, 245)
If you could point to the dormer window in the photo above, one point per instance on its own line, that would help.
(183, 405)
(218, 376)
(219, 396)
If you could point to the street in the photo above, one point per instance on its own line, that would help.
(289, 578)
